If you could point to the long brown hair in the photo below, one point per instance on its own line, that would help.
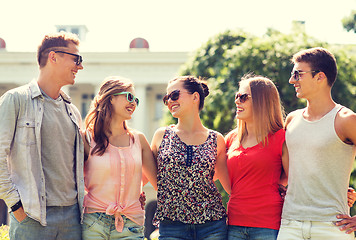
(98, 120)
(268, 113)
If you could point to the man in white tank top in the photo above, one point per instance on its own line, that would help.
(321, 142)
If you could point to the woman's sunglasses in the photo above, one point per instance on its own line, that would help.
(129, 97)
(243, 97)
(174, 96)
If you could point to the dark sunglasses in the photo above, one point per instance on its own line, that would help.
(174, 96)
(296, 74)
(243, 97)
(129, 97)
(78, 60)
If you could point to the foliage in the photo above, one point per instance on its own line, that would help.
(349, 22)
(228, 56)
(4, 232)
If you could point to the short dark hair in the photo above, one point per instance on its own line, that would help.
(52, 42)
(319, 59)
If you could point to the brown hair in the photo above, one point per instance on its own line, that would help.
(268, 113)
(192, 85)
(53, 42)
(98, 120)
(319, 59)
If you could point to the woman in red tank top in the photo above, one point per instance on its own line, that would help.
(256, 160)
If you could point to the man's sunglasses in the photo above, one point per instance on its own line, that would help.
(78, 60)
(243, 97)
(129, 97)
(296, 74)
(174, 96)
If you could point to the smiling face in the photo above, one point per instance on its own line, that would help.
(183, 103)
(67, 67)
(122, 107)
(306, 85)
(244, 110)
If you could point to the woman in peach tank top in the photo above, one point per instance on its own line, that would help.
(116, 158)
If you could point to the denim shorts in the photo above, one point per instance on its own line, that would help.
(63, 223)
(211, 230)
(102, 226)
(251, 233)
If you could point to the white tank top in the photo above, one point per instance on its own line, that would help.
(320, 164)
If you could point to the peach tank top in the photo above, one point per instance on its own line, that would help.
(113, 182)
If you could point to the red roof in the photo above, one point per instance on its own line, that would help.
(139, 43)
(2, 43)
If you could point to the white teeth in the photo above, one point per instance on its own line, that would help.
(239, 109)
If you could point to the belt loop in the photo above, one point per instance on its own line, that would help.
(306, 229)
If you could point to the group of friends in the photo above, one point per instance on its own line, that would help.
(48, 160)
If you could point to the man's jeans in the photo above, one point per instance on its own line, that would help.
(212, 230)
(300, 230)
(251, 233)
(63, 223)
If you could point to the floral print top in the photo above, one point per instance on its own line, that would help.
(186, 189)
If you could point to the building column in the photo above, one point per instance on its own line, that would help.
(139, 118)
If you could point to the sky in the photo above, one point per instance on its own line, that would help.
(167, 25)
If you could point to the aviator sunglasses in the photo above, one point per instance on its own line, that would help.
(296, 74)
(129, 97)
(174, 96)
(78, 60)
(243, 97)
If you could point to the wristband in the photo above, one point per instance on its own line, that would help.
(16, 206)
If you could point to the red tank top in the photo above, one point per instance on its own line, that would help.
(254, 174)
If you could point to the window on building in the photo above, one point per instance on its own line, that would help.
(159, 107)
(86, 101)
(75, 31)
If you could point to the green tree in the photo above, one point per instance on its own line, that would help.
(349, 22)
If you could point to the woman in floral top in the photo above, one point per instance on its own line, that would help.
(190, 157)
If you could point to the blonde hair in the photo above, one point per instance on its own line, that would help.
(98, 119)
(268, 113)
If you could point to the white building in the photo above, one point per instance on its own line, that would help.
(150, 72)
